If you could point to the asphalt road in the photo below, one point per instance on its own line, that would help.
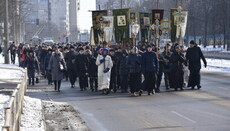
(207, 109)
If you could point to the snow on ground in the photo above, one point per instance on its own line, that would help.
(6, 73)
(4, 99)
(62, 117)
(218, 65)
(210, 48)
(32, 117)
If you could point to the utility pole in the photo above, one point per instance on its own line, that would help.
(176, 3)
(121, 3)
(6, 33)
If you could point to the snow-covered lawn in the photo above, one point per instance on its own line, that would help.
(4, 99)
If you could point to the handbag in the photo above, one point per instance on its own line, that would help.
(61, 66)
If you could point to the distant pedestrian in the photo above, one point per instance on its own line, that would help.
(193, 56)
(31, 63)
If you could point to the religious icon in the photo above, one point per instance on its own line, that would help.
(157, 16)
(121, 21)
(146, 21)
(132, 15)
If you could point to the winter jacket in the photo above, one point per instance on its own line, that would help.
(70, 59)
(123, 67)
(54, 66)
(134, 63)
(81, 64)
(193, 57)
(150, 62)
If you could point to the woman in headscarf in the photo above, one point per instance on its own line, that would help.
(104, 63)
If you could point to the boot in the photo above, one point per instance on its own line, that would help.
(59, 85)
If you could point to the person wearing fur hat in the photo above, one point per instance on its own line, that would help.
(105, 64)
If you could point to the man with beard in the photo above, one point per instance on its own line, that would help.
(70, 60)
(193, 56)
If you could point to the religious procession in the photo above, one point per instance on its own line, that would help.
(125, 54)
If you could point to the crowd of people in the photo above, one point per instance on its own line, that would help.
(100, 68)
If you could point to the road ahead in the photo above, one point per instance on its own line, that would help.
(207, 109)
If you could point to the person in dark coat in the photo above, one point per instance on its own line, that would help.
(57, 66)
(134, 65)
(118, 54)
(160, 72)
(48, 73)
(13, 51)
(113, 77)
(177, 59)
(150, 66)
(31, 63)
(93, 70)
(193, 56)
(70, 60)
(123, 71)
(81, 66)
(167, 69)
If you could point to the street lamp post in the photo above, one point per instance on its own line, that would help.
(135, 30)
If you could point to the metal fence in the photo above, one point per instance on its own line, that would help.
(13, 111)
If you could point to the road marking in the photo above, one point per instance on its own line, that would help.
(184, 117)
(99, 126)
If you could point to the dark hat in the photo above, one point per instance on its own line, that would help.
(119, 47)
(192, 42)
(66, 48)
(80, 49)
(72, 47)
(50, 50)
(112, 50)
(149, 46)
(87, 47)
(60, 47)
(31, 51)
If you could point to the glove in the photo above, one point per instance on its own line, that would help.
(102, 60)
(205, 65)
(106, 70)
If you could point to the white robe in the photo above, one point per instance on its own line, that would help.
(104, 78)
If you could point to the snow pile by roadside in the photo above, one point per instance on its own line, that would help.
(8, 73)
(32, 117)
(4, 99)
(218, 64)
(62, 117)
